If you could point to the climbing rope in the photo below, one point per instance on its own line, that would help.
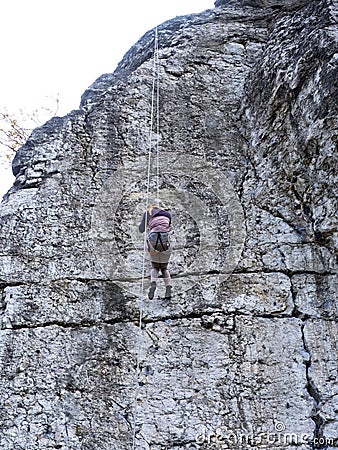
(155, 90)
(157, 73)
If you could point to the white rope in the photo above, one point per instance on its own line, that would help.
(157, 72)
(139, 336)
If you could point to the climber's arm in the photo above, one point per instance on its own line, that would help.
(142, 225)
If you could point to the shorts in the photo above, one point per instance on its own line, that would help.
(159, 266)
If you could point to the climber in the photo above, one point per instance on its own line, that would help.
(158, 222)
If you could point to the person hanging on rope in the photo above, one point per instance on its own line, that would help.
(158, 221)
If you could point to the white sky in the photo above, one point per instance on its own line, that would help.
(58, 48)
(61, 47)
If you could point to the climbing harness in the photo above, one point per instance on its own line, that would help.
(158, 242)
(154, 95)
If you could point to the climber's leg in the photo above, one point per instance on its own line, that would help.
(152, 290)
(166, 277)
(167, 280)
(168, 292)
(154, 274)
(154, 278)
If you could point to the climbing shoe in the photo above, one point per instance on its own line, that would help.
(152, 290)
(168, 292)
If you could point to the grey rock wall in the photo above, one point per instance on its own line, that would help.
(245, 354)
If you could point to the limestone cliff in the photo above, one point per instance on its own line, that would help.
(245, 353)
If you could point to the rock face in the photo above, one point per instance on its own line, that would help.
(274, 4)
(245, 353)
